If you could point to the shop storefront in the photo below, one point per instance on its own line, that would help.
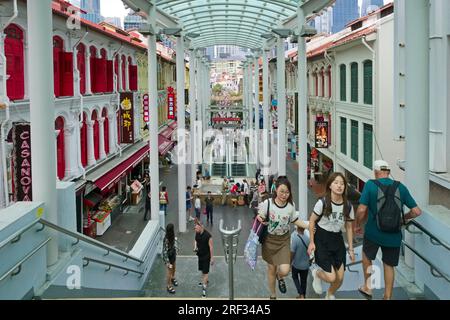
(356, 185)
(320, 165)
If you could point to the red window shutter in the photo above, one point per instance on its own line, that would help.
(133, 78)
(15, 85)
(60, 155)
(57, 71)
(100, 74)
(106, 134)
(93, 70)
(67, 74)
(329, 82)
(82, 69)
(83, 142)
(109, 76)
(96, 140)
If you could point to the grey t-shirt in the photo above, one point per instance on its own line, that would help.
(301, 259)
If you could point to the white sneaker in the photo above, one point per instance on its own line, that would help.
(317, 283)
(330, 296)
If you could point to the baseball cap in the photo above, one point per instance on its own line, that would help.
(381, 165)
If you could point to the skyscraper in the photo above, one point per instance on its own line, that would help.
(92, 7)
(132, 21)
(344, 11)
(370, 5)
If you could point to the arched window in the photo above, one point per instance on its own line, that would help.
(83, 142)
(322, 77)
(14, 52)
(93, 67)
(329, 81)
(81, 64)
(106, 129)
(354, 82)
(124, 79)
(368, 90)
(60, 155)
(94, 118)
(62, 69)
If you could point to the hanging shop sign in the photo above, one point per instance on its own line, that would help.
(171, 103)
(321, 134)
(126, 117)
(145, 104)
(21, 133)
(217, 119)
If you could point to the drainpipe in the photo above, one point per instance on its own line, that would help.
(374, 115)
(7, 103)
(80, 95)
(117, 94)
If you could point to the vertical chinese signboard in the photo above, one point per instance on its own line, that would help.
(171, 104)
(22, 161)
(145, 103)
(127, 117)
(321, 134)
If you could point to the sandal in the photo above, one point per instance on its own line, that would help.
(366, 295)
(171, 290)
(281, 285)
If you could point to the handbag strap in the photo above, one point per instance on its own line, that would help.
(303, 241)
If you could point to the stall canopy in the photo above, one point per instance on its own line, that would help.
(167, 132)
(114, 174)
(164, 145)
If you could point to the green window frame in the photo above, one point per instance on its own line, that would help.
(354, 140)
(368, 146)
(343, 82)
(343, 135)
(354, 82)
(368, 79)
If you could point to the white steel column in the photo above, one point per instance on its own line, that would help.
(244, 88)
(251, 104)
(198, 122)
(101, 143)
(181, 146)
(265, 163)
(302, 122)
(281, 86)
(192, 105)
(153, 124)
(90, 142)
(417, 107)
(42, 115)
(256, 140)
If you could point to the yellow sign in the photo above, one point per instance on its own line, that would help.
(40, 212)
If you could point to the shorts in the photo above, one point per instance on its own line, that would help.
(203, 265)
(390, 254)
(330, 249)
(188, 205)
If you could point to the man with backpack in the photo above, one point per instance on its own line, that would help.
(381, 205)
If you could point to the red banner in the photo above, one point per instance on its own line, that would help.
(127, 117)
(145, 103)
(22, 161)
(171, 104)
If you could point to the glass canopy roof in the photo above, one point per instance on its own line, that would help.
(229, 22)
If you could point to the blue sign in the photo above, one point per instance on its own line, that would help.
(275, 102)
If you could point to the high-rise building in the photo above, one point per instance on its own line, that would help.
(115, 21)
(92, 7)
(344, 11)
(324, 21)
(132, 21)
(370, 5)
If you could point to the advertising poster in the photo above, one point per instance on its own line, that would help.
(321, 134)
(171, 104)
(21, 136)
(127, 117)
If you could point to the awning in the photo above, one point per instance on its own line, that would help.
(167, 132)
(173, 125)
(110, 177)
(164, 145)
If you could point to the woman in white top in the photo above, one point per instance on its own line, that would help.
(278, 213)
(329, 217)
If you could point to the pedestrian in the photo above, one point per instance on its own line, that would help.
(203, 247)
(170, 249)
(329, 216)
(273, 187)
(258, 172)
(300, 260)
(163, 200)
(390, 197)
(278, 213)
(209, 200)
(224, 190)
(246, 190)
(189, 203)
(198, 207)
(147, 212)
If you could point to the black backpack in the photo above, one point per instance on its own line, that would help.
(324, 204)
(390, 215)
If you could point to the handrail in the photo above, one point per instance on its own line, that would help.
(433, 268)
(18, 234)
(90, 241)
(353, 264)
(111, 265)
(18, 265)
(230, 232)
(433, 239)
